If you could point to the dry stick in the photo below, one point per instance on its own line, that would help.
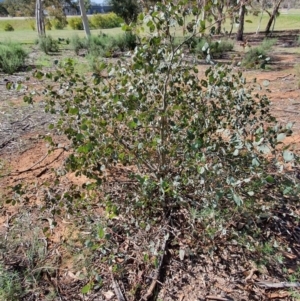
(216, 298)
(117, 289)
(252, 271)
(35, 164)
(270, 285)
(151, 288)
(279, 77)
(288, 111)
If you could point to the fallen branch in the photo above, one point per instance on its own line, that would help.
(217, 298)
(31, 167)
(152, 286)
(117, 289)
(288, 111)
(270, 285)
(6, 142)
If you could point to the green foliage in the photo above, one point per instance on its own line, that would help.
(258, 56)
(8, 27)
(10, 286)
(127, 41)
(101, 21)
(3, 11)
(48, 24)
(103, 45)
(182, 133)
(193, 151)
(76, 23)
(128, 10)
(77, 43)
(12, 57)
(98, 21)
(48, 44)
(58, 24)
(32, 24)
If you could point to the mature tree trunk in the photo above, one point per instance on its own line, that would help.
(273, 15)
(84, 18)
(240, 32)
(40, 22)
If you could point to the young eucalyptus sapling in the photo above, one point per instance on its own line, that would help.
(189, 140)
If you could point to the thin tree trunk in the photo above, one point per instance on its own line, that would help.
(259, 23)
(40, 22)
(273, 16)
(219, 19)
(273, 26)
(240, 32)
(84, 19)
(203, 15)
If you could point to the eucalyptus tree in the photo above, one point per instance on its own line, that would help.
(128, 10)
(20, 7)
(241, 20)
(273, 15)
(84, 18)
(3, 10)
(40, 19)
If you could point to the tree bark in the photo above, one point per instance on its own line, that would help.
(40, 22)
(84, 18)
(273, 16)
(219, 19)
(240, 32)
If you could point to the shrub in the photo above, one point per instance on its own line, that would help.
(75, 23)
(59, 24)
(103, 45)
(258, 56)
(126, 41)
(193, 143)
(48, 44)
(10, 285)
(12, 57)
(216, 48)
(101, 21)
(48, 25)
(32, 24)
(194, 154)
(8, 27)
(78, 43)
